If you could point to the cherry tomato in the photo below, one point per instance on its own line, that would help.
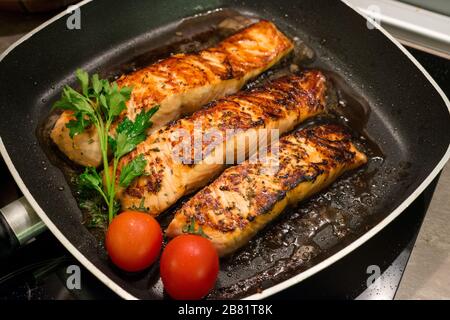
(133, 240)
(189, 266)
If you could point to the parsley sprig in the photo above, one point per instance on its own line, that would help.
(99, 103)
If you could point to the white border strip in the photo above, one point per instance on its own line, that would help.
(274, 289)
(394, 214)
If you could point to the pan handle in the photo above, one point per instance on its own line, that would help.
(19, 224)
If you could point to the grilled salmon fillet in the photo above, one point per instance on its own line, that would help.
(246, 197)
(178, 165)
(182, 83)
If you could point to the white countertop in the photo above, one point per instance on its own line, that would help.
(427, 275)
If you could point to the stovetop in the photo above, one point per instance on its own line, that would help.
(39, 269)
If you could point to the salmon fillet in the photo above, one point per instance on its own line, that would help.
(177, 165)
(246, 197)
(182, 83)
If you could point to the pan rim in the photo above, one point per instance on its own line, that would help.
(275, 288)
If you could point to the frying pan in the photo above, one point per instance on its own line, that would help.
(407, 116)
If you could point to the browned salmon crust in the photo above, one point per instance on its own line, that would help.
(280, 104)
(184, 82)
(246, 197)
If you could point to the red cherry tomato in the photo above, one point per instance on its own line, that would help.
(133, 240)
(189, 266)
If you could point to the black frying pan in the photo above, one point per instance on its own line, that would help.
(386, 97)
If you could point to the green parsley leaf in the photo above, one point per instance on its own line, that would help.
(116, 104)
(90, 179)
(131, 170)
(103, 101)
(83, 78)
(77, 126)
(97, 85)
(126, 92)
(129, 134)
(74, 101)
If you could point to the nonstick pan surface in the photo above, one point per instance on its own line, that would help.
(397, 113)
